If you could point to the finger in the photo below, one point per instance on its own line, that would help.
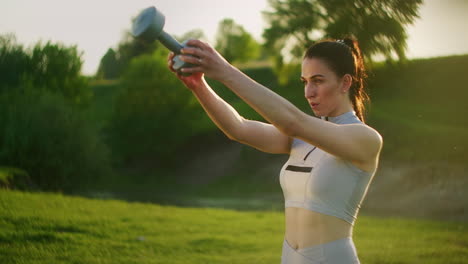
(170, 56)
(171, 68)
(170, 62)
(192, 69)
(197, 43)
(192, 51)
(191, 59)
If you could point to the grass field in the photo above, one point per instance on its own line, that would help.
(52, 228)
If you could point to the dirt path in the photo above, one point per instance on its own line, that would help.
(435, 190)
(429, 190)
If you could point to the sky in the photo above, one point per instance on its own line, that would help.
(94, 26)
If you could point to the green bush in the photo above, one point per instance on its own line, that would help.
(50, 67)
(154, 114)
(14, 178)
(46, 137)
(14, 62)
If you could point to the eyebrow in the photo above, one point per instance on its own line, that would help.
(313, 76)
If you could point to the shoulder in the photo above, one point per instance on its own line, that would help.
(365, 135)
(370, 137)
(366, 144)
(373, 135)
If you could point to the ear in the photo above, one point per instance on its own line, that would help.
(347, 81)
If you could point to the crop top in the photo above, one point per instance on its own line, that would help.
(318, 181)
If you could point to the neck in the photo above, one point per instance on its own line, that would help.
(344, 108)
(345, 118)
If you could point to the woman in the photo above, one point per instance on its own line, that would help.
(332, 158)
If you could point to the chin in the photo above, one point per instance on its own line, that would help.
(316, 113)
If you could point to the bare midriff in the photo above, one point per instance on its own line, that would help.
(305, 228)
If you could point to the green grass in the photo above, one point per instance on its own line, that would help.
(52, 228)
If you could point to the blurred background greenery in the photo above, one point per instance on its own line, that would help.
(132, 131)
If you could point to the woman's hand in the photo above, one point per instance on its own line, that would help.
(193, 81)
(206, 59)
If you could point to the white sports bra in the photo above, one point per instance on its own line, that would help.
(318, 181)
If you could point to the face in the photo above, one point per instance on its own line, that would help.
(324, 90)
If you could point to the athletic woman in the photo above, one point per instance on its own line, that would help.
(332, 158)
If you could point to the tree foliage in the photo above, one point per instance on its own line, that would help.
(43, 132)
(50, 67)
(192, 34)
(154, 114)
(45, 136)
(109, 68)
(114, 63)
(234, 43)
(57, 68)
(14, 62)
(378, 25)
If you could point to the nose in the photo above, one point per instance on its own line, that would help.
(309, 90)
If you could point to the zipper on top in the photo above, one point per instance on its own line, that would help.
(309, 153)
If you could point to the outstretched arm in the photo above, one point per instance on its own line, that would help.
(357, 143)
(259, 135)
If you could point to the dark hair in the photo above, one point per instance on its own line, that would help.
(344, 57)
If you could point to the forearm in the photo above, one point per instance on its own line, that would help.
(341, 140)
(274, 108)
(220, 112)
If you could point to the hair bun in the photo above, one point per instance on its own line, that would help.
(349, 42)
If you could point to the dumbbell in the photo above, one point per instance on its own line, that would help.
(148, 27)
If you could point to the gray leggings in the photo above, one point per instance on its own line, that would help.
(340, 251)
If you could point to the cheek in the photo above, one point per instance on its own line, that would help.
(329, 97)
(328, 92)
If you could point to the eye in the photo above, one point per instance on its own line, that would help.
(303, 81)
(318, 81)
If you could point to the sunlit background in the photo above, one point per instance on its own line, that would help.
(105, 156)
(96, 26)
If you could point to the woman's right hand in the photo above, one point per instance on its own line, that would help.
(193, 81)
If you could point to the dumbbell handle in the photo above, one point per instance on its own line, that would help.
(169, 42)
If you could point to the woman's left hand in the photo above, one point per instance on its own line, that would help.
(207, 60)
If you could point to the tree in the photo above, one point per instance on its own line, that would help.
(114, 63)
(192, 34)
(57, 68)
(109, 66)
(154, 114)
(44, 135)
(234, 43)
(14, 62)
(50, 67)
(129, 48)
(378, 25)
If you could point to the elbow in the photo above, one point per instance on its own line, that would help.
(234, 133)
(231, 137)
(238, 131)
(287, 130)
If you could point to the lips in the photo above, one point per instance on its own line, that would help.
(314, 105)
